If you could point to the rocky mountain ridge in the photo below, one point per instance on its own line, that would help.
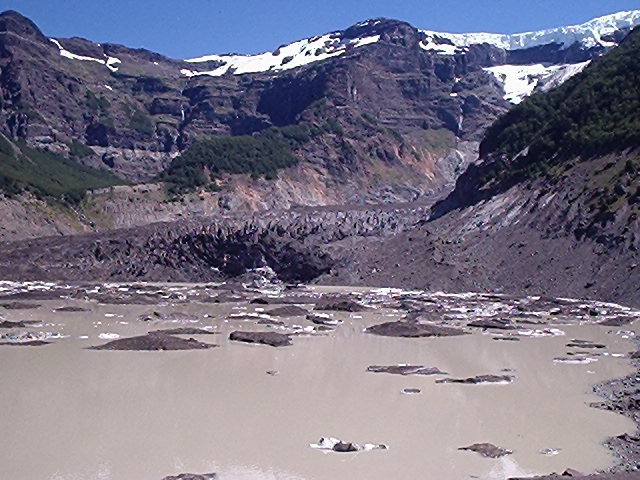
(393, 114)
(552, 207)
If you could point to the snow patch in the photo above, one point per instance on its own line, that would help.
(520, 81)
(297, 54)
(589, 35)
(109, 62)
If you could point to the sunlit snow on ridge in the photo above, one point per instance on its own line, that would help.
(109, 62)
(588, 34)
(287, 57)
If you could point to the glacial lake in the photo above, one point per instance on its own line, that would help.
(70, 413)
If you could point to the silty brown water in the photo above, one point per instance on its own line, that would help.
(68, 413)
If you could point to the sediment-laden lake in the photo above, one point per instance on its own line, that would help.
(254, 411)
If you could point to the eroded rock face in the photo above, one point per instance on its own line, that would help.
(154, 341)
(273, 339)
(413, 330)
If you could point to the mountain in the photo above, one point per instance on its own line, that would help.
(553, 206)
(379, 112)
(550, 207)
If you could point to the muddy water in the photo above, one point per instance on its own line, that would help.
(67, 413)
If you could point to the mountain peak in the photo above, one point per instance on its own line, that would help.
(16, 23)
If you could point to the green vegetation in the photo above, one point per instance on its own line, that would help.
(30, 112)
(591, 115)
(257, 155)
(78, 149)
(369, 119)
(96, 104)
(46, 174)
(142, 123)
(439, 140)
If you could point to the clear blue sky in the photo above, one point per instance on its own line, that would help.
(189, 28)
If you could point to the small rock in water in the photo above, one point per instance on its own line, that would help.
(413, 330)
(340, 305)
(544, 332)
(493, 323)
(19, 306)
(273, 339)
(259, 301)
(550, 451)
(192, 476)
(617, 321)
(411, 391)
(20, 324)
(30, 343)
(337, 445)
(71, 309)
(406, 370)
(288, 311)
(487, 450)
(480, 379)
(168, 317)
(575, 360)
(585, 344)
(271, 323)
(322, 319)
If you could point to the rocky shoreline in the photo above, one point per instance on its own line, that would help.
(622, 395)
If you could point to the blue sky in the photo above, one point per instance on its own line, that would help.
(189, 28)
